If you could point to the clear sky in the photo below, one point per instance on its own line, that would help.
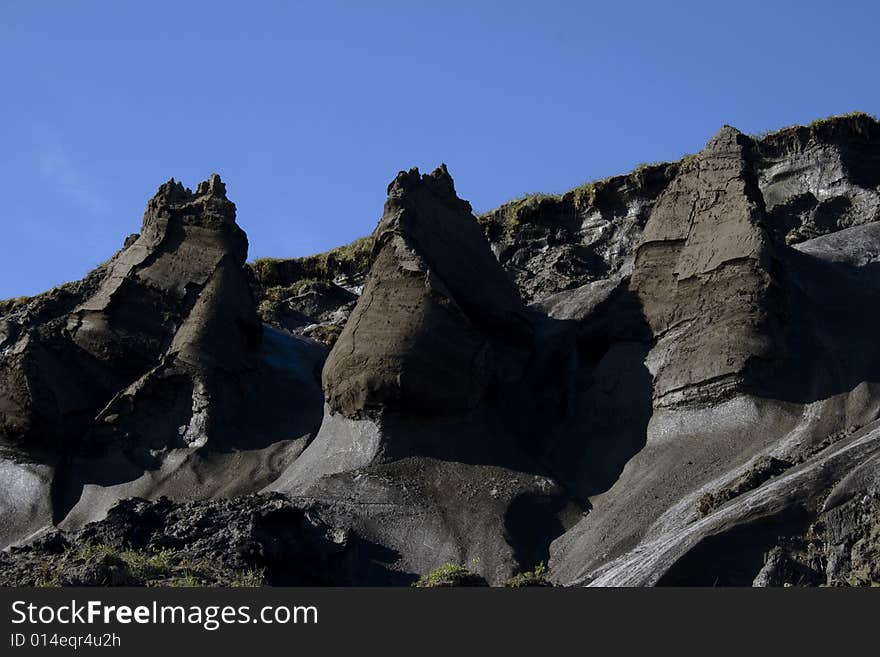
(308, 110)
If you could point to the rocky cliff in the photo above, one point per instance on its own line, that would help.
(665, 377)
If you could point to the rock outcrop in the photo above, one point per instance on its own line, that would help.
(413, 451)
(419, 338)
(112, 385)
(759, 354)
(665, 378)
(820, 178)
(246, 541)
(170, 316)
(704, 274)
(554, 245)
(314, 295)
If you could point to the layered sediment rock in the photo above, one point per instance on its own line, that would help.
(418, 339)
(688, 394)
(411, 451)
(760, 354)
(312, 296)
(704, 273)
(111, 385)
(820, 178)
(169, 319)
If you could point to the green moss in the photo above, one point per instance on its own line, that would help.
(511, 215)
(584, 196)
(278, 293)
(155, 568)
(327, 334)
(814, 125)
(9, 305)
(536, 577)
(185, 581)
(589, 194)
(449, 574)
(687, 161)
(836, 117)
(350, 259)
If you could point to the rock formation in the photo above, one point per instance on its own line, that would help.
(411, 452)
(662, 378)
(418, 339)
(117, 384)
(704, 276)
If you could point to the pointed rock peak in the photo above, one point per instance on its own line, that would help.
(208, 205)
(172, 192)
(213, 186)
(726, 139)
(442, 181)
(438, 183)
(403, 182)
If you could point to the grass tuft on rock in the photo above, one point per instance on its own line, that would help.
(448, 575)
(536, 577)
(108, 565)
(348, 260)
(10, 305)
(856, 118)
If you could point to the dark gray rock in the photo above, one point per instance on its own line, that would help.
(704, 276)
(418, 339)
(116, 385)
(254, 539)
(820, 178)
(550, 244)
(689, 395)
(413, 452)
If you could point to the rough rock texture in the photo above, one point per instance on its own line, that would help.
(170, 312)
(688, 394)
(413, 451)
(550, 245)
(311, 296)
(704, 276)
(820, 178)
(115, 385)
(264, 537)
(763, 398)
(418, 339)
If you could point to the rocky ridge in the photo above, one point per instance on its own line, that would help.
(668, 377)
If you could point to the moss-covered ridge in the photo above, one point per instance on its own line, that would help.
(508, 217)
(594, 194)
(350, 260)
(103, 564)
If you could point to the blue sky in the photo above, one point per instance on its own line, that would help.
(308, 110)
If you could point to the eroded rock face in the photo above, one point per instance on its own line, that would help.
(764, 378)
(111, 385)
(187, 264)
(312, 296)
(704, 275)
(418, 339)
(690, 396)
(553, 245)
(411, 452)
(820, 178)
(246, 541)
(171, 322)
